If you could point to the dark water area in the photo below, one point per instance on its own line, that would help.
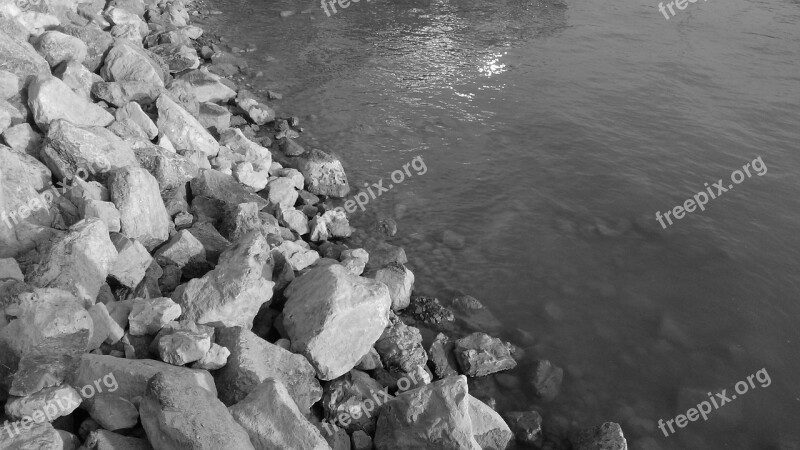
(552, 133)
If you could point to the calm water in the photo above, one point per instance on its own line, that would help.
(552, 133)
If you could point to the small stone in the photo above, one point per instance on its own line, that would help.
(214, 359)
(183, 347)
(526, 426)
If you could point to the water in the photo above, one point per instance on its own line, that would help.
(552, 133)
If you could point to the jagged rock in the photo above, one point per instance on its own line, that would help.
(402, 354)
(173, 14)
(207, 87)
(488, 428)
(182, 129)
(22, 138)
(127, 62)
(70, 149)
(179, 57)
(383, 253)
(295, 220)
(170, 170)
(217, 185)
(184, 347)
(55, 402)
(432, 416)
(36, 436)
(51, 99)
(400, 282)
(57, 47)
(334, 318)
(20, 58)
(297, 256)
(97, 42)
(127, 25)
(607, 436)
(143, 216)
(290, 147)
(9, 85)
(133, 112)
(272, 419)
(441, 356)
(526, 426)
(361, 441)
(204, 421)
(331, 224)
(257, 112)
(214, 116)
(357, 399)
(213, 242)
(131, 375)
(430, 311)
(370, 361)
(137, 347)
(216, 358)
(184, 251)
(254, 360)
(77, 77)
(239, 220)
(239, 144)
(247, 174)
(480, 354)
(131, 265)
(113, 412)
(324, 174)
(48, 322)
(148, 316)
(120, 93)
(104, 328)
(104, 211)
(106, 440)
(78, 262)
(546, 380)
(282, 193)
(37, 372)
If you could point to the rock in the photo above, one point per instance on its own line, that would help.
(233, 292)
(104, 329)
(27, 171)
(295, 255)
(204, 422)
(120, 93)
(106, 440)
(488, 428)
(383, 253)
(113, 412)
(217, 185)
(54, 401)
(400, 348)
(170, 170)
(239, 144)
(148, 316)
(430, 311)
(51, 99)
(480, 354)
(607, 436)
(57, 47)
(9, 85)
(282, 193)
(331, 224)
(184, 251)
(143, 216)
(213, 242)
(70, 149)
(184, 347)
(77, 77)
(273, 420)
(526, 426)
(179, 57)
(361, 441)
(257, 112)
(133, 112)
(471, 314)
(254, 360)
(246, 174)
(334, 318)
(442, 358)
(324, 174)
(20, 58)
(182, 129)
(239, 220)
(216, 358)
(34, 436)
(400, 282)
(97, 43)
(214, 116)
(105, 211)
(291, 148)
(127, 62)
(9, 270)
(296, 221)
(353, 401)
(37, 372)
(22, 138)
(432, 416)
(131, 375)
(370, 361)
(77, 262)
(131, 265)
(547, 379)
(48, 322)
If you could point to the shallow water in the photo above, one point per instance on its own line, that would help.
(552, 133)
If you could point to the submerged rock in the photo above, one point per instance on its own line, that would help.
(607, 436)
(546, 380)
(480, 354)
(526, 426)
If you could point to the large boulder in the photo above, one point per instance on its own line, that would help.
(431, 416)
(51, 99)
(179, 415)
(179, 57)
(21, 59)
(97, 41)
(127, 62)
(170, 169)
(232, 293)
(488, 428)
(272, 419)
(253, 360)
(57, 47)
(119, 93)
(78, 262)
(206, 86)
(182, 129)
(334, 318)
(143, 215)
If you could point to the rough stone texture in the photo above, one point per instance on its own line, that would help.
(295, 255)
(182, 129)
(184, 251)
(22, 138)
(334, 318)
(215, 116)
(97, 41)
(106, 440)
(179, 57)
(546, 379)
(207, 87)
(143, 215)
(65, 397)
(20, 58)
(131, 265)
(331, 224)
(442, 358)
(480, 354)
(176, 414)
(215, 358)
(77, 262)
(607, 436)
(402, 354)
(77, 77)
(211, 239)
(37, 372)
(400, 282)
(233, 292)
(432, 416)
(273, 420)
(361, 441)
(295, 220)
(9, 85)
(105, 328)
(121, 93)
(357, 398)
(324, 174)
(253, 360)
(51, 99)
(222, 187)
(170, 170)
(40, 436)
(112, 412)
(70, 148)
(57, 47)
(526, 426)
(240, 145)
(148, 316)
(105, 211)
(370, 361)
(127, 62)
(488, 428)
(184, 347)
(133, 112)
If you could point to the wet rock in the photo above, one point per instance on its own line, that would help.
(430, 311)
(272, 419)
(442, 358)
(331, 224)
(206, 86)
(400, 347)
(57, 47)
(217, 185)
(334, 318)
(215, 358)
(37, 436)
(324, 174)
(400, 282)
(204, 422)
(127, 62)
(184, 251)
(143, 215)
(233, 292)
(121, 93)
(77, 77)
(51, 99)
(113, 412)
(20, 58)
(22, 138)
(472, 315)
(253, 360)
(435, 415)
(78, 262)
(65, 397)
(526, 426)
(383, 253)
(353, 401)
(546, 379)
(182, 129)
(480, 354)
(607, 436)
(131, 265)
(488, 428)
(295, 255)
(291, 148)
(148, 316)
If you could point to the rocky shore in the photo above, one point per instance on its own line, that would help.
(176, 271)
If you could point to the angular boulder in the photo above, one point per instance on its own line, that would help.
(480, 354)
(488, 428)
(219, 186)
(127, 62)
(51, 99)
(324, 174)
(143, 215)
(182, 129)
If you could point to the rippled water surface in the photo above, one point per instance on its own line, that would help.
(552, 133)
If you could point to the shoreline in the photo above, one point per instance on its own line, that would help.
(225, 250)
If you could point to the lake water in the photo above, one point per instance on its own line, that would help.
(552, 133)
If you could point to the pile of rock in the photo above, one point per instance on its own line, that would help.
(196, 264)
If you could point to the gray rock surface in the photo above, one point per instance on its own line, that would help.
(182, 129)
(480, 354)
(143, 215)
(51, 99)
